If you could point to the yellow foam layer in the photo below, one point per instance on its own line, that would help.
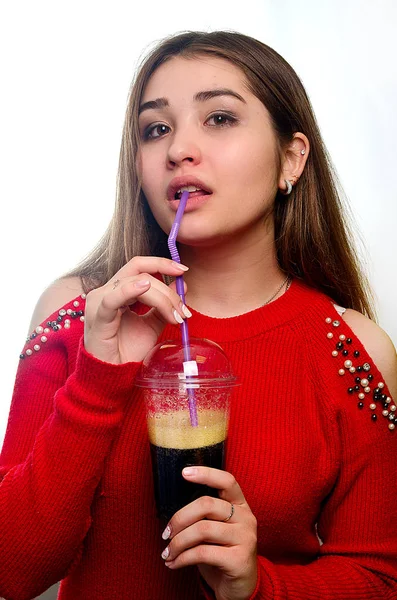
(173, 430)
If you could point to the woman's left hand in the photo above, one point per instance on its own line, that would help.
(225, 552)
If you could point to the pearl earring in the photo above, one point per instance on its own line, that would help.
(303, 152)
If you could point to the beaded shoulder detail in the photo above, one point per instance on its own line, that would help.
(61, 319)
(361, 384)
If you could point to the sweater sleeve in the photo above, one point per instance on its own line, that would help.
(357, 528)
(59, 433)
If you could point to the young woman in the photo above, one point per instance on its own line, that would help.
(307, 503)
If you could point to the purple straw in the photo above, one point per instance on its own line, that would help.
(181, 293)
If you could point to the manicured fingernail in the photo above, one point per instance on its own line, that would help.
(166, 533)
(142, 284)
(180, 266)
(165, 553)
(189, 471)
(186, 311)
(177, 317)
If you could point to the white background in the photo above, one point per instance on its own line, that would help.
(65, 75)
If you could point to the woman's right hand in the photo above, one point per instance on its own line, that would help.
(115, 334)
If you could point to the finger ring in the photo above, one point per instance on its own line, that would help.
(116, 283)
(231, 513)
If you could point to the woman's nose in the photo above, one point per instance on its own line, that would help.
(183, 148)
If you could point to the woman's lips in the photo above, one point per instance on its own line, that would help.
(195, 200)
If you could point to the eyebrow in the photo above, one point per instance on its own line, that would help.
(160, 103)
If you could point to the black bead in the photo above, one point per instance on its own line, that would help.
(361, 405)
(49, 323)
(386, 405)
(357, 379)
(370, 377)
(377, 391)
(73, 314)
(350, 390)
(377, 397)
(356, 353)
(349, 341)
(59, 319)
(339, 346)
(80, 313)
(392, 418)
(374, 417)
(359, 369)
(21, 356)
(356, 388)
(383, 397)
(345, 352)
(55, 328)
(33, 336)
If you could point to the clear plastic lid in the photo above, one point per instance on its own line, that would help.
(166, 366)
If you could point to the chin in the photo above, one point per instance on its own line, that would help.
(202, 239)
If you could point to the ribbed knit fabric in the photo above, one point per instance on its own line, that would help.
(76, 496)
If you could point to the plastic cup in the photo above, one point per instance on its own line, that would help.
(174, 442)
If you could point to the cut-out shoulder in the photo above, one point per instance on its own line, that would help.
(59, 293)
(378, 345)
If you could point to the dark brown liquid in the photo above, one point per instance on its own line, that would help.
(171, 490)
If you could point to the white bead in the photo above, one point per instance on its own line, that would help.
(385, 413)
(67, 321)
(348, 364)
(59, 325)
(328, 320)
(352, 369)
(361, 396)
(388, 400)
(367, 390)
(391, 426)
(341, 371)
(39, 329)
(364, 382)
(69, 311)
(330, 335)
(81, 318)
(29, 351)
(43, 339)
(76, 303)
(46, 330)
(335, 353)
(36, 347)
(393, 407)
(372, 406)
(381, 385)
(83, 296)
(342, 338)
(336, 323)
(62, 312)
(67, 325)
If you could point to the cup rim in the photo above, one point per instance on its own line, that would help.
(188, 382)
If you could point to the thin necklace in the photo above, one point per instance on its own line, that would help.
(287, 281)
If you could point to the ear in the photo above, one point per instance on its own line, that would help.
(294, 160)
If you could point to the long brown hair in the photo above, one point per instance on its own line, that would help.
(312, 231)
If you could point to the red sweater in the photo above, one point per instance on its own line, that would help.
(316, 467)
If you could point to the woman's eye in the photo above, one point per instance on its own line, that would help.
(222, 119)
(148, 133)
